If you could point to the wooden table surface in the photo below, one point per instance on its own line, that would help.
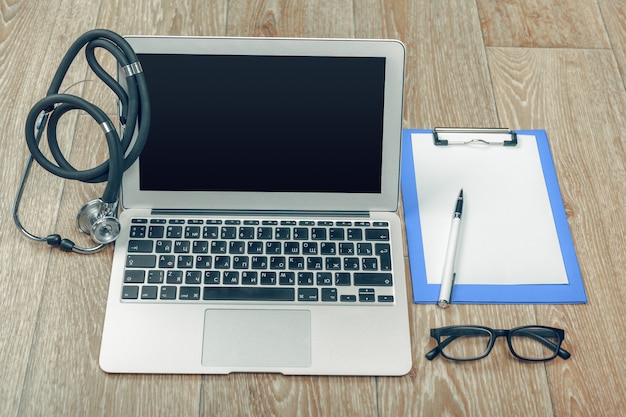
(541, 64)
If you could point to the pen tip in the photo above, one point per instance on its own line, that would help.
(461, 193)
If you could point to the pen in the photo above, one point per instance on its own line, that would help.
(448, 275)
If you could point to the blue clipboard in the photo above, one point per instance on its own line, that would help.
(571, 293)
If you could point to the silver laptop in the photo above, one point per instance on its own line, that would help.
(260, 231)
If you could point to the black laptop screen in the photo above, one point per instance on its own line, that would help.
(260, 123)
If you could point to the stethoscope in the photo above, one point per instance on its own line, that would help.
(98, 217)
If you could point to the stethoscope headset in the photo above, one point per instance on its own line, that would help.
(98, 217)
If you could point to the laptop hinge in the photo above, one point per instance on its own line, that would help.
(261, 213)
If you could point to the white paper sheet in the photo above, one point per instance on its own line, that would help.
(507, 233)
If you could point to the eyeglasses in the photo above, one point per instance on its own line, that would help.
(470, 343)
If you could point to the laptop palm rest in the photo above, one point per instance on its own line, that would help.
(256, 338)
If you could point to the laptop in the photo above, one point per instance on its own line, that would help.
(259, 225)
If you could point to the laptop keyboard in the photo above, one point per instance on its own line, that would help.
(299, 261)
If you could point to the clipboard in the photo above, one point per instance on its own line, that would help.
(511, 195)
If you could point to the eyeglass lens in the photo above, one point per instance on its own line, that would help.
(469, 343)
(465, 343)
(534, 343)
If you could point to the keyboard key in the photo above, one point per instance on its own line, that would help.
(278, 262)
(168, 292)
(351, 264)
(228, 232)
(155, 277)
(212, 278)
(189, 293)
(140, 261)
(249, 278)
(355, 234)
(134, 276)
(203, 262)
(246, 232)
(222, 262)
(342, 278)
(273, 248)
(333, 263)
(149, 292)
(314, 263)
(182, 246)
(209, 232)
(230, 278)
(167, 261)
(268, 278)
(309, 248)
(241, 262)
(264, 233)
(286, 278)
(336, 233)
(305, 278)
(200, 246)
(364, 249)
(138, 232)
(259, 262)
(307, 294)
(174, 232)
(292, 248)
(249, 293)
(329, 294)
(373, 279)
(328, 248)
(318, 233)
(163, 246)
(192, 232)
(324, 279)
(255, 248)
(193, 277)
(174, 277)
(301, 233)
(141, 246)
(366, 295)
(376, 234)
(130, 292)
(346, 249)
(370, 264)
(184, 261)
(383, 250)
(156, 232)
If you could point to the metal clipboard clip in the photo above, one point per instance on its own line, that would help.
(468, 136)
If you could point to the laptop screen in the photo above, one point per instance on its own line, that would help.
(306, 124)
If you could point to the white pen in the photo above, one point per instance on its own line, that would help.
(448, 274)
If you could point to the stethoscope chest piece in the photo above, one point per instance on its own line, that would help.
(99, 220)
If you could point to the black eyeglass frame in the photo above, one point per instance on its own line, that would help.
(494, 334)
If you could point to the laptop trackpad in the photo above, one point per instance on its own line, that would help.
(257, 338)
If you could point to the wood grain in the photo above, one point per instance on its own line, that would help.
(542, 23)
(559, 66)
(585, 133)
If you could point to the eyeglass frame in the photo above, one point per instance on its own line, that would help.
(494, 334)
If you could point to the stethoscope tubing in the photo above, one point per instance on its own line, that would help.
(134, 118)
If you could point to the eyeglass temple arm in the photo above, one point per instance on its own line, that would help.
(433, 353)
